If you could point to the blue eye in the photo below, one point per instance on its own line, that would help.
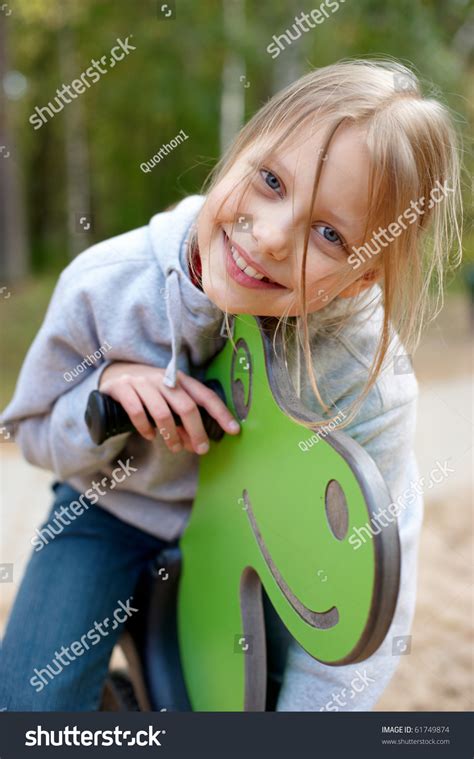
(330, 234)
(271, 180)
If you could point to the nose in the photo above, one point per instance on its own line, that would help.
(272, 238)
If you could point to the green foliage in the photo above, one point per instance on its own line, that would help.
(22, 314)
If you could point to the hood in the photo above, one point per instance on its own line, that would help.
(186, 304)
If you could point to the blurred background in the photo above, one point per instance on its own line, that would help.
(204, 68)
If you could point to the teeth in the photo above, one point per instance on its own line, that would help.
(242, 264)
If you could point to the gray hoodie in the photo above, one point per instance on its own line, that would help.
(131, 298)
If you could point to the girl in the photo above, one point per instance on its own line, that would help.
(332, 210)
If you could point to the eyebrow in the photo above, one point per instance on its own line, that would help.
(340, 222)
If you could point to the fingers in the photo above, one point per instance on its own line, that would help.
(160, 412)
(141, 389)
(185, 439)
(204, 396)
(185, 406)
(123, 392)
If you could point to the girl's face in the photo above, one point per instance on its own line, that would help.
(269, 225)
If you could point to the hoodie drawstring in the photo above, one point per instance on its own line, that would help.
(173, 311)
(173, 299)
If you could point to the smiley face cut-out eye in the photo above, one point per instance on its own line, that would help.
(337, 512)
(241, 379)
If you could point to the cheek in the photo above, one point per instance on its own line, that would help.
(206, 228)
(226, 198)
(318, 267)
(320, 279)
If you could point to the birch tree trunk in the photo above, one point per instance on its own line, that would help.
(232, 110)
(289, 65)
(14, 258)
(78, 193)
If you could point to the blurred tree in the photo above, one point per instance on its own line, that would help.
(234, 80)
(76, 148)
(13, 249)
(185, 74)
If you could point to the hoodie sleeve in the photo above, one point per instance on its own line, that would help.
(48, 406)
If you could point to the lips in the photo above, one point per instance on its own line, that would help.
(255, 276)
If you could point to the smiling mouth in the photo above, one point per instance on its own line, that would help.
(243, 270)
(323, 620)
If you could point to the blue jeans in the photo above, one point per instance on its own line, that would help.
(88, 572)
(85, 575)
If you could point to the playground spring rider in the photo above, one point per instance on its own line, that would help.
(267, 517)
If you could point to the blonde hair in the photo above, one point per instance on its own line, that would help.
(412, 145)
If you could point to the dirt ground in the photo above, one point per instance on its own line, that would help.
(437, 675)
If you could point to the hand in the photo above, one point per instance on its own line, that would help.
(139, 386)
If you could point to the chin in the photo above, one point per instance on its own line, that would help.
(219, 299)
(235, 304)
(236, 300)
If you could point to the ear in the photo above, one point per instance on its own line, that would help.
(367, 280)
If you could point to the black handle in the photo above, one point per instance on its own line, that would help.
(105, 417)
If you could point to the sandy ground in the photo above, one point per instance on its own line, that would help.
(437, 675)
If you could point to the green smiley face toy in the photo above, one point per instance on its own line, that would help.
(271, 512)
